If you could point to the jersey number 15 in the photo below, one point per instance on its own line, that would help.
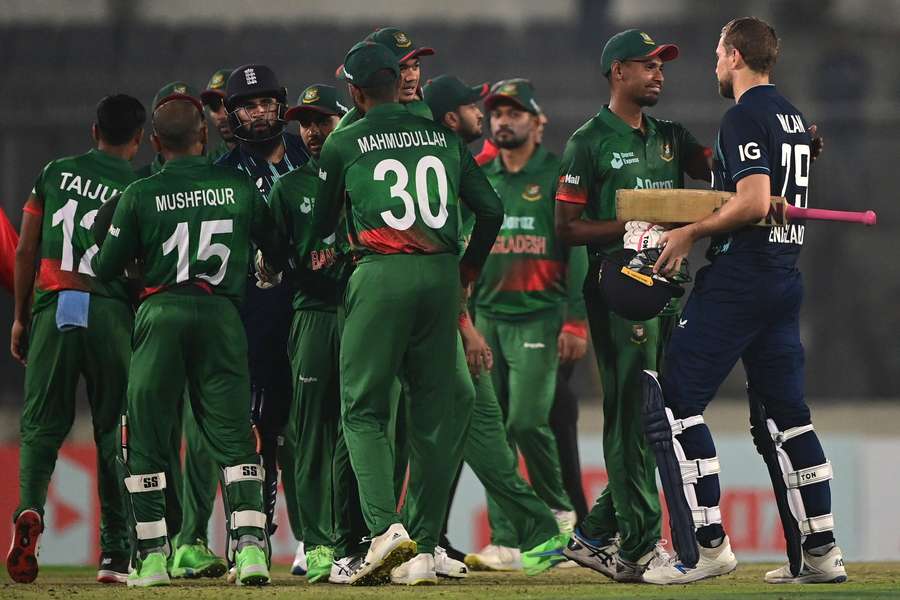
(180, 240)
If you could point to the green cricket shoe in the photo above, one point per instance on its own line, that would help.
(197, 560)
(545, 555)
(318, 564)
(151, 571)
(252, 567)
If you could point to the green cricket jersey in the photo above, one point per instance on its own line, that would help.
(527, 270)
(404, 176)
(156, 165)
(214, 154)
(292, 199)
(606, 154)
(67, 196)
(416, 107)
(191, 223)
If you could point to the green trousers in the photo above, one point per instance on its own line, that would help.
(527, 520)
(195, 340)
(314, 424)
(630, 503)
(199, 482)
(56, 361)
(524, 378)
(401, 322)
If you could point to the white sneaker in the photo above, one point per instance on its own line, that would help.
(298, 567)
(713, 562)
(418, 570)
(633, 572)
(566, 519)
(342, 569)
(816, 569)
(445, 566)
(231, 577)
(386, 551)
(495, 558)
(586, 552)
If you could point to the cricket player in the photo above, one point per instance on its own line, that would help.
(70, 325)
(193, 557)
(623, 148)
(213, 98)
(314, 344)
(401, 177)
(533, 541)
(256, 103)
(751, 291)
(521, 301)
(191, 226)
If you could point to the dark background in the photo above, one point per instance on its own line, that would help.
(839, 65)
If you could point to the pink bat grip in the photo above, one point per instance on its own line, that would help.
(867, 218)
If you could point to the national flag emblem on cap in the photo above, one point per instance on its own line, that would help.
(311, 95)
(647, 39)
(402, 40)
(180, 89)
(217, 81)
(509, 89)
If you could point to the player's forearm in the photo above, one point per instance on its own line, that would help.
(487, 225)
(110, 262)
(749, 204)
(23, 282)
(577, 232)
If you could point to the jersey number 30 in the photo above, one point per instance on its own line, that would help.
(398, 190)
(205, 249)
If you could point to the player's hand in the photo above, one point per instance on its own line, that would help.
(676, 245)
(478, 354)
(18, 342)
(640, 235)
(571, 347)
(817, 144)
(265, 277)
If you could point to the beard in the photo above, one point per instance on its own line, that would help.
(726, 88)
(509, 142)
(648, 100)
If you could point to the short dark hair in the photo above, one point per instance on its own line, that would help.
(755, 39)
(119, 118)
(383, 92)
(177, 124)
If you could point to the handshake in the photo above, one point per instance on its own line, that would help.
(265, 278)
(641, 235)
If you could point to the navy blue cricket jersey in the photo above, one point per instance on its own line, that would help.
(262, 172)
(763, 133)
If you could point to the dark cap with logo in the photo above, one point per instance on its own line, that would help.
(317, 98)
(366, 63)
(254, 81)
(633, 44)
(446, 93)
(176, 90)
(216, 86)
(399, 43)
(518, 91)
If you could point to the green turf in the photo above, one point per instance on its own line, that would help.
(867, 580)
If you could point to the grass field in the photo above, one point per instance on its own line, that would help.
(867, 580)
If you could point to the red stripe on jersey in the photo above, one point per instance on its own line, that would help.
(532, 275)
(51, 278)
(33, 207)
(149, 291)
(489, 152)
(566, 192)
(387, 240)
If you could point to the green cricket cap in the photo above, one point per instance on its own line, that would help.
(446, 93)
(176, 90)
(518, 91)
(366, 62)
(216, 86)
(399, 43)
(318, 98)
(634, 44)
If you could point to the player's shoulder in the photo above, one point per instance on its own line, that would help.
(73, 161)
(665, 125)
(301, 176)
(592, 131)
(232, 158)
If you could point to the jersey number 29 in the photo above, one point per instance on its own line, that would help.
(398, 190)
(796, 156)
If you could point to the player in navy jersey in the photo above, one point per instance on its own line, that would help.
(745, 305)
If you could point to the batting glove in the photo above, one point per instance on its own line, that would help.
(641, 235)
(265, 279)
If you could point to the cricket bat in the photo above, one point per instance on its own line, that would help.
(688, 206)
